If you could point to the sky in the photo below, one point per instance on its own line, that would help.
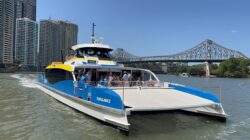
(156, 27)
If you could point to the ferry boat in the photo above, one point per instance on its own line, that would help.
(93, 83)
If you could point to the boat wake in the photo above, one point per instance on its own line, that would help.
(234, 130)
(28, 81)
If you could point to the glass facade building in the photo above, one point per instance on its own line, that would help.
(10, 13)
(26, 41)
(7, 28)
(26, 8)
(55, 40)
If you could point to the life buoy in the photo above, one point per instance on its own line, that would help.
(150, 83)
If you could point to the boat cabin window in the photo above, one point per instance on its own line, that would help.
(57, 75)
(88, 75)
(94, 52)
(113, 77)
(148, 77)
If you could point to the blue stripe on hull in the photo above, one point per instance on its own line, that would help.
(99, 95)
(196, 92)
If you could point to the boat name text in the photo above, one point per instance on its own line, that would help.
(103, 100)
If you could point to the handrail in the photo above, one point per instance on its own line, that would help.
(125, 84)
(216, 93)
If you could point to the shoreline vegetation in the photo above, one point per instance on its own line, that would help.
(231, 68)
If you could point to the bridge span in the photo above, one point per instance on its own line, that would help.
(207, 51)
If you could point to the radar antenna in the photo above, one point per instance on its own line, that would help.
(93, 33)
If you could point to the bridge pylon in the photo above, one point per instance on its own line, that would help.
(207, 68)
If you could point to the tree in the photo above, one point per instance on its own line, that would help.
(234, 67)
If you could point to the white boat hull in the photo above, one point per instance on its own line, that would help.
(139, 100)
(163, 99)
(113, 117)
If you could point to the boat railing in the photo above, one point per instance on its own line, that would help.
(130, 84)
(217, 90)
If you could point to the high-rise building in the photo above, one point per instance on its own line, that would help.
(7, 27)
(26, 8)
(55, 40)
(26, 42)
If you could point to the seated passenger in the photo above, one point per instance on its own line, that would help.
(101, 80)
(139, 82)
(115, 81)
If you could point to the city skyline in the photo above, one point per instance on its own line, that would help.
(159, 28)
(18, 32)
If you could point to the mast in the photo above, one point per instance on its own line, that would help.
(93, 32)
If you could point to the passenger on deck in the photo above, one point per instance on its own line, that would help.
(119, 82)
(101, 81)
(125, 79)
(110, 79)
(106, 80)
(78, 75)
(125, 76)
(88, 77)
(83, 78)
(115, 81)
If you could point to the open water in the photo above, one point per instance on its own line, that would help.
(28, 113)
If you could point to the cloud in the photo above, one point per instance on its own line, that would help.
(234, 31)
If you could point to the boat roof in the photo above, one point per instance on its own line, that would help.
(94, 45)
(60, 65)
(66, 67)
(119, 67)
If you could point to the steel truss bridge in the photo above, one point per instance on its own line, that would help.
(207, 51)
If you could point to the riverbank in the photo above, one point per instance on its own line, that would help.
(231, 68)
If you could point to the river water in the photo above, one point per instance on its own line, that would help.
(28, 113)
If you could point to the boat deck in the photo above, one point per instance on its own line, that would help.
(154, 99)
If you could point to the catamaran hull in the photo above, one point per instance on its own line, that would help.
(112, 117)
(167, 99)
(209, 111)
(140, 100)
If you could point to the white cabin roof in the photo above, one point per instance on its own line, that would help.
(95, 45)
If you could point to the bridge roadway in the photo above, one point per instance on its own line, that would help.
(170, 60)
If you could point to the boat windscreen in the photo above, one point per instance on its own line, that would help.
(101, 53)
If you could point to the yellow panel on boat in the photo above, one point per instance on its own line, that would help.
(81, 59)
(106, 61)
(75, 58)
(60, 66)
